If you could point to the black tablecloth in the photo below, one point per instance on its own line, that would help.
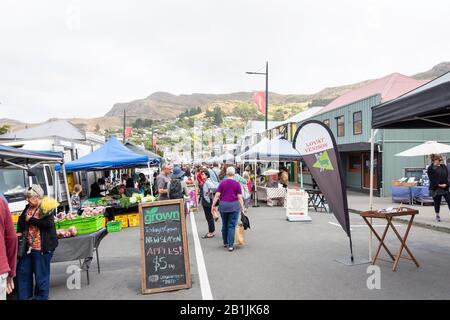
(79, 247)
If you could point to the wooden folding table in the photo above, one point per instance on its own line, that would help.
(388, 216)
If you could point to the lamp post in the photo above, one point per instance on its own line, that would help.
(267, 89)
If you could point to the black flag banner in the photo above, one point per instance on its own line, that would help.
(317, 146)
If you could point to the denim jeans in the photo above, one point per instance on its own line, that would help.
(229, 220)
(36, 264)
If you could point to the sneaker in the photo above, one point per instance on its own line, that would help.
(230, 249)
(438, 218)
(225, 246)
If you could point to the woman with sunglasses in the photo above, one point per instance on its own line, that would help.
(41, 242)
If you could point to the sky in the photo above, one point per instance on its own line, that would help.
(77, 58)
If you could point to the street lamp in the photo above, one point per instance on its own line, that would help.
(267, 88)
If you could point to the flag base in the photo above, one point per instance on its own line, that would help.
(356, 261)
(298, 218)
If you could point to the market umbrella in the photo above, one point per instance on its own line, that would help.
(425, 149)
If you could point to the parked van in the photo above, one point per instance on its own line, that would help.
(14, 183)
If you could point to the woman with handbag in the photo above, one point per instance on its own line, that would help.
(231, 204)
(37, 242)
(438, 175)
(207, 194)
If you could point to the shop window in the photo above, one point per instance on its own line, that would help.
(357, 122)
(354, 163)
(340, 126)
(326, 122)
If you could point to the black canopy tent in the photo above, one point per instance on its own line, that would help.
(427, 106)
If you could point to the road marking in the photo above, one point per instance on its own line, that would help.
(202, 273)
(363, 225)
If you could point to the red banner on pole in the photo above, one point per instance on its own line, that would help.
(128, 132)
(260, 99)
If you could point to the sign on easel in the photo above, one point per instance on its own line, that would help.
(297, 205)
(164, 247)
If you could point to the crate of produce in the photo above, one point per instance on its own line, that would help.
(133, 220)
(123, 220)
(83, 225)
(114, 226)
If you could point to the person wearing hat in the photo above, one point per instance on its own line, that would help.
(177, 187)
(41, 242)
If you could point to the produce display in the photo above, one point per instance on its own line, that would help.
(70, 224)
(71, 232)
(136, 198)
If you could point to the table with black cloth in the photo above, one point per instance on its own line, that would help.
(112, 211)
(80, 247)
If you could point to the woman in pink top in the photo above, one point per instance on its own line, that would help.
(231, 204)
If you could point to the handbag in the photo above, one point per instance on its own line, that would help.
(22, 246)
(245, 221)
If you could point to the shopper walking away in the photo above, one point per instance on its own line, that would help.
(438, 174)
(177, 186)
(216, 168)
(231, 204)
(207, 195)
(163, 181)
(8, 250)
(39, 227)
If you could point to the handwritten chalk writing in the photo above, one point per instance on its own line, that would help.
(160, 263)
(162, 239)
(176, 251)
(159, 230)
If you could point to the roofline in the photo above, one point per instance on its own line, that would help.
(346, 105)
(44, 138)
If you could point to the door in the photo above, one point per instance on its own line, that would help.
(366, 171)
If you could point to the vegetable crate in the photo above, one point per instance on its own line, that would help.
(133, 220)
(83, 225)
(114, 226)
(123, 220)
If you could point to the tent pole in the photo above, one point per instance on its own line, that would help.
(372, 156)
(301, 174)
(66, 185)
(150, 179)
(256, 190)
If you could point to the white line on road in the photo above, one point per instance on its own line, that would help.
(362, 225)
(203, 275)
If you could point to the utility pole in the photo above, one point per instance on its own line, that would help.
(267, 91)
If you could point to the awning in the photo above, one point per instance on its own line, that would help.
(112, 155)
(277, 149)
(26, 159)
(425, 107)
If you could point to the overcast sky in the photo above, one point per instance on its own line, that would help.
(77, 58)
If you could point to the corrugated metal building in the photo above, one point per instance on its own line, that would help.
(350, 117)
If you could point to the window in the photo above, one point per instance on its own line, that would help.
(354, 163)
(326, 122)
(49, 176)
(357, 122)
(340, 126)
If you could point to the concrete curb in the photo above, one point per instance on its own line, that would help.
(415, 223)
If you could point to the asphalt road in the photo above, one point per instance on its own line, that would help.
(281, 260)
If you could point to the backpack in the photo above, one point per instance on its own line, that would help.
(175, 189)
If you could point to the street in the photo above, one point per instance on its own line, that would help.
(281, 260)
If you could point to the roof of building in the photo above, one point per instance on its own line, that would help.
(389, 87)
(303, 115)
(59, 128)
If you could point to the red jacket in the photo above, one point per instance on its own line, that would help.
(8, 241)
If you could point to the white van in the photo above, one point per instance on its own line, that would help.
(15, 181)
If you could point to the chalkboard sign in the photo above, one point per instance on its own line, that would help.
(164, 247)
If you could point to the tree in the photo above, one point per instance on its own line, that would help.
(4, 128)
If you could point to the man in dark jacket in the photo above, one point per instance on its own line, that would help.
(439, 184)
(8, 250)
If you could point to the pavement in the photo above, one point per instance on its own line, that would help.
(280, 260)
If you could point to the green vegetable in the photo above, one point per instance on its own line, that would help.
(124, 202)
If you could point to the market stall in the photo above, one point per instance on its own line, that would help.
(114, 155)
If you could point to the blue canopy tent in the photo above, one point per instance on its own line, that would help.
(112, 155)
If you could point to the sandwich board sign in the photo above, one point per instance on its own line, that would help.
(297, 205)
(164, 246)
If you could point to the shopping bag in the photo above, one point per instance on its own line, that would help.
(239, 235)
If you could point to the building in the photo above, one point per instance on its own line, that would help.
(59, 135)
(349, 118)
